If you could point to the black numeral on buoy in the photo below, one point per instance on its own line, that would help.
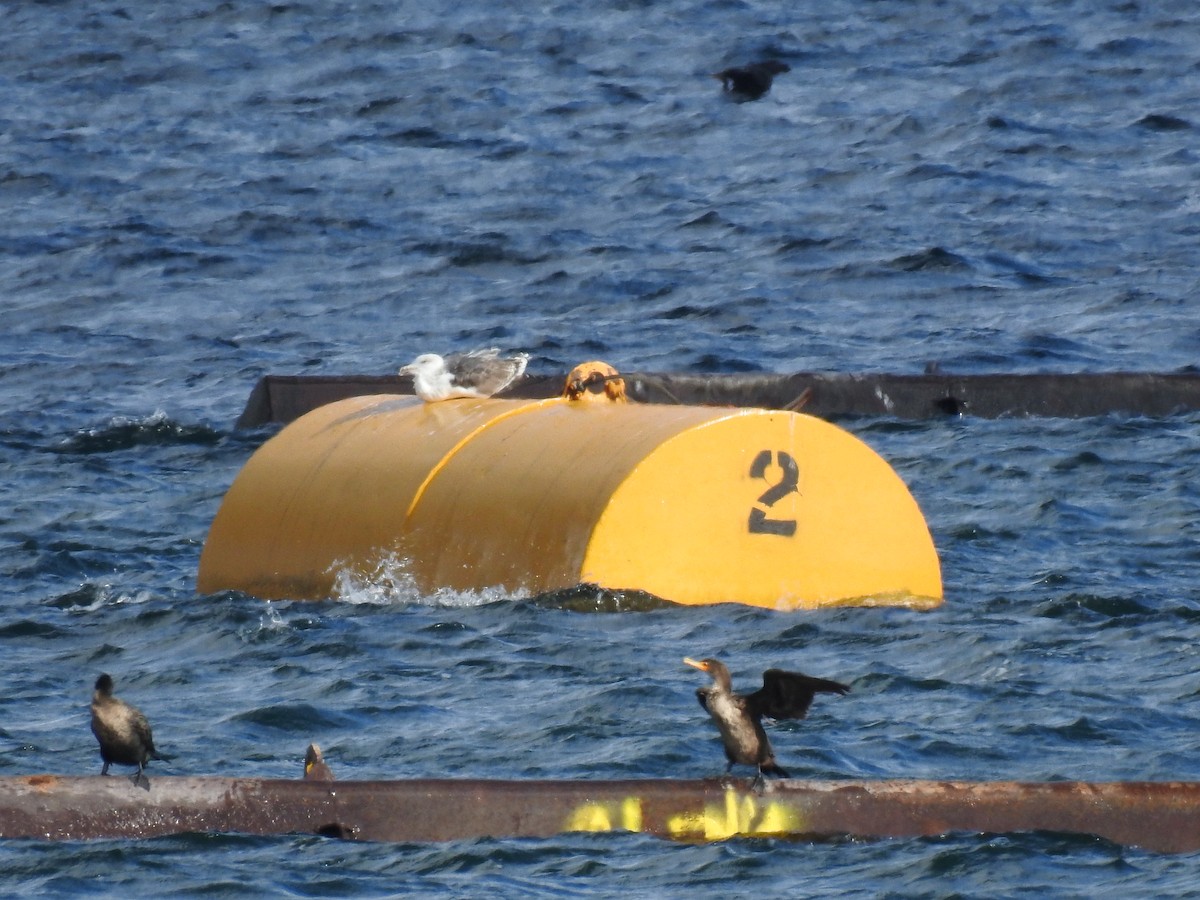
(759, 523)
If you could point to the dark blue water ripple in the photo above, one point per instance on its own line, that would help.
(202, 193)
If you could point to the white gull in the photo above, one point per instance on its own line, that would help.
(478, 373)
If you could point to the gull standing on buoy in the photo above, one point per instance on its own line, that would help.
(479, 373)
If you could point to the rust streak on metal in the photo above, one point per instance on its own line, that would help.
(1159, 816)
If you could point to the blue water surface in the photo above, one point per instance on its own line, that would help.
(203, 192)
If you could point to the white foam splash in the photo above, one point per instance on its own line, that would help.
(390, 581)
(156, 419)
(106, 594)
(271, 620)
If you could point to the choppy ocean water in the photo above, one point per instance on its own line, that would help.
(200, 194)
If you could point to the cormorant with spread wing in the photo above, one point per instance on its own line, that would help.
(784, 695)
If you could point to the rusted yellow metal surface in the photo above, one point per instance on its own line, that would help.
(693, 504)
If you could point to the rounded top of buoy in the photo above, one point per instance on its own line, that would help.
(691, 504)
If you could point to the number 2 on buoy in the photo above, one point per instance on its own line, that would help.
(759, 523)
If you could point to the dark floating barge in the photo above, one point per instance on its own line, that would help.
(282, 398)
(1159, 816)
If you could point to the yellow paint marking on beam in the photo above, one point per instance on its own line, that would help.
(623, 815)
(736, 814)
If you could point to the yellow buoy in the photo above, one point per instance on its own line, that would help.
(693, 504)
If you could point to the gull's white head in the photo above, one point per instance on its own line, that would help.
(427, 364)
(431, 381)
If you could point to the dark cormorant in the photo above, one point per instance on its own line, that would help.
(123, 732)
(752, 81)
(315, 767)
(784, 695)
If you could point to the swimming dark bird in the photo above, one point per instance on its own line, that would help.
(479, 373)
(123, 732)
(750, 82)
(784, 695)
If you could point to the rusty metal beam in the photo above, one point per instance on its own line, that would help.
(282, 398)
(1159, 816)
